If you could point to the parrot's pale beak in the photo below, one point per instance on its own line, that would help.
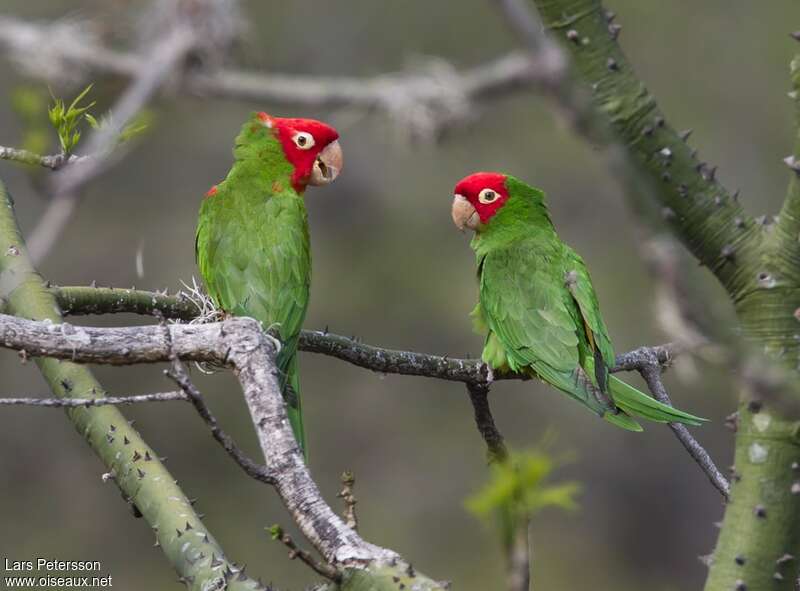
(327, 166)
(464, 214)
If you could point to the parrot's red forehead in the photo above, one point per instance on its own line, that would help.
(323, 133)
(476, 187)
(299, 151)
(476, 182)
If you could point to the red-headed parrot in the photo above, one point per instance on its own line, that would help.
(537, 304)
(252, 243)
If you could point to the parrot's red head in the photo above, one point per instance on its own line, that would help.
(311, 146)
(478, 198)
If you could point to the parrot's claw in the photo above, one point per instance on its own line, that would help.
(489, 374)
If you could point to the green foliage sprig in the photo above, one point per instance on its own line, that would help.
(67, 120)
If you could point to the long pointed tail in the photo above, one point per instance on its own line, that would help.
(290, 389)
(636, 403)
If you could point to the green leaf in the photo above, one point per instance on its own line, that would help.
(67, 120)
(92, 121)
(520, 487)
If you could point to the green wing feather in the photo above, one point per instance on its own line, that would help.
(253, 254)
(537, 299)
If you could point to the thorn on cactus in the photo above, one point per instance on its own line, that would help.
(784, 559)
(727, 252)
(793, 164)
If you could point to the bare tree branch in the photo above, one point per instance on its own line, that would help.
(88, 402)
(425, 101)
(53, 162)
(495, 444)
(77, 300)
(159, 62)
(651, 372)
(295, 551)
(240, 344)
(179, 375)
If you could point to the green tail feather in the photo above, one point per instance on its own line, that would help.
(623, 421)
(290, 389)
(633, 402)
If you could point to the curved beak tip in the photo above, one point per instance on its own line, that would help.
(464, 214)
(328, 165)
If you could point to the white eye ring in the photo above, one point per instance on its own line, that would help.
(303, 140)
(488, 196)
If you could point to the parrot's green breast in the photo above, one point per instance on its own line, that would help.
(253, 253)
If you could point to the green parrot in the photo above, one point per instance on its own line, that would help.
(537, 305)
(252, 243)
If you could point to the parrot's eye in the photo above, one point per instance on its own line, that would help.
(487, 196)
(303, 140)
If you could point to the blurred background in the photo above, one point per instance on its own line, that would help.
(390, 268)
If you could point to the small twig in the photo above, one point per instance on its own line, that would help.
(479, 396)
(159, 62)
(87, 402)
(346, 494)
(519, 559)
(53, 162)
(321, 568)
(177, 373)
(253, 469)
(651, 372)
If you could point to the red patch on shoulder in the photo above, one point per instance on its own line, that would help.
(471, 186)
(212, 191)
(264, 117)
